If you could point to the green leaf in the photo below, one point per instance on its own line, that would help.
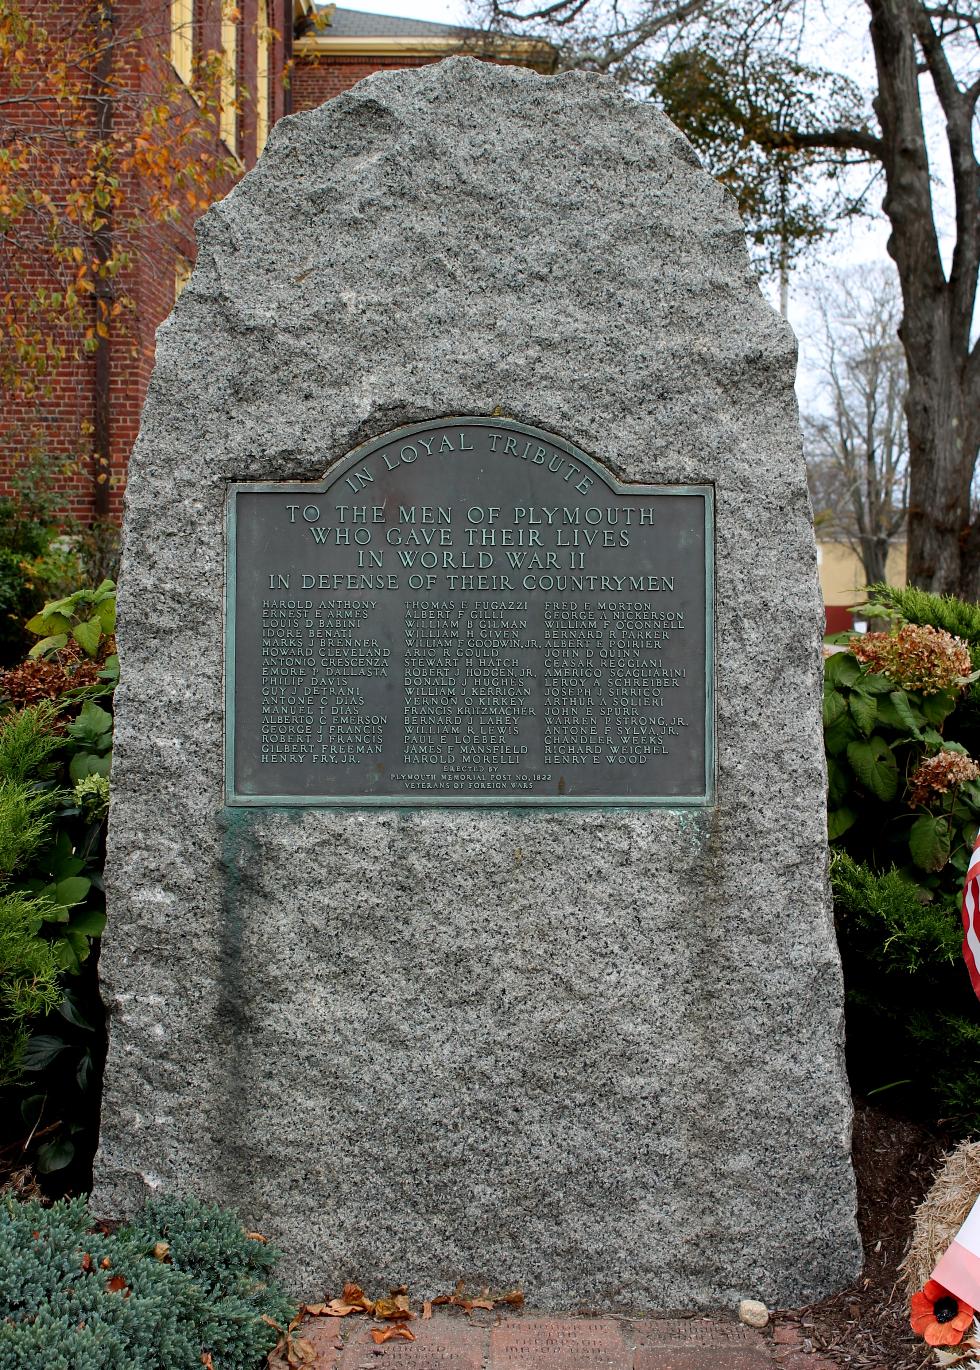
(31, 1109)
(864, 711)
(899, 701)
(87, 763)
(929, 842)
(842, 668)
(66, 606)
(834, 708)
(107, 614)
(839, 735)
(875, 767)
(837, 784)
(54, 911)
(64, 954)
(88, 635)
(872, 684)
(79, 944)
(83, 1074)
(938, 707)
(69, 1010)
(41, 1051)
(838, 822)
(63, 866)
(48, 644)
(72, 891)
(92, 724)
(47, 625)
(110, 671)
(55, 1155)
(91, 923)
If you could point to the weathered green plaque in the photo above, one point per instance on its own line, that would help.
(469, 612)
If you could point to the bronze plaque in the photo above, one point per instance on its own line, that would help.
(469, 612)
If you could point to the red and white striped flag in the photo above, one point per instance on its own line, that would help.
(959, 1269)
(971, 919)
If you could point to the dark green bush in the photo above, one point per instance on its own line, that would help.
(913, 1028)
(55, 757)
(74, 1299)
(903, 814)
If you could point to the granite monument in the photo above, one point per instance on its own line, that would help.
(467, 872)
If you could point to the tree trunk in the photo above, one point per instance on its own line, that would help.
(935, 329)
(874, 559)
(940, 475)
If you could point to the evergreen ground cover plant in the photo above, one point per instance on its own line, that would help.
(55, 755)
(180, 1287)
(901, 713)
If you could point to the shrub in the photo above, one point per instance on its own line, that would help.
(903, 815)
(55, 756)
(181, 1283)
(36, 560)
(28, 978)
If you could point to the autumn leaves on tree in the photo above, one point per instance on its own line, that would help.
(106, 157)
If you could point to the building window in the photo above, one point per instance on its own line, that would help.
(229, 75)
(182, 38)
(266, 39)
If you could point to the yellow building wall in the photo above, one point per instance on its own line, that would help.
(842, 577)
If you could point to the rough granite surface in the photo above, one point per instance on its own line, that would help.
(598, 1054)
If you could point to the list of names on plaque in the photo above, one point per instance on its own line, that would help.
(450, 621)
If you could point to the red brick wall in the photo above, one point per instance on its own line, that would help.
(318, 78)
(59, 421)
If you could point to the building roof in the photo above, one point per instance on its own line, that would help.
(345, 23)
(325, 31)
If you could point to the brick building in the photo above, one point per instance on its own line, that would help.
(334, 48)
(223, 75)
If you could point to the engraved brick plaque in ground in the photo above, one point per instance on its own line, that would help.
(698, 1344)
(559, 1344)
(591, 1050)
(445, 1343)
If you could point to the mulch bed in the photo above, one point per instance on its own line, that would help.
(866, 1326)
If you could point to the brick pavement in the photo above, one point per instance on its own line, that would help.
(533, 1341)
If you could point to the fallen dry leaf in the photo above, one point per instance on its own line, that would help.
(515, 1297)
(427, 1310)
(115, 1284)
(206, 1360)
(105, 1263)
(86, 1262)
(479, 1303)
(256, 1237)
(380, 1334)
(300, 1352)
(356, 1297)
(395, 1309)
(161, 1250)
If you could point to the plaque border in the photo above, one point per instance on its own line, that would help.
(417, 801)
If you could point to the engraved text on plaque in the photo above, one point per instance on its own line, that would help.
(469, 611)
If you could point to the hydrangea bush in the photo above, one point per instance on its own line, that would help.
(903, 815)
